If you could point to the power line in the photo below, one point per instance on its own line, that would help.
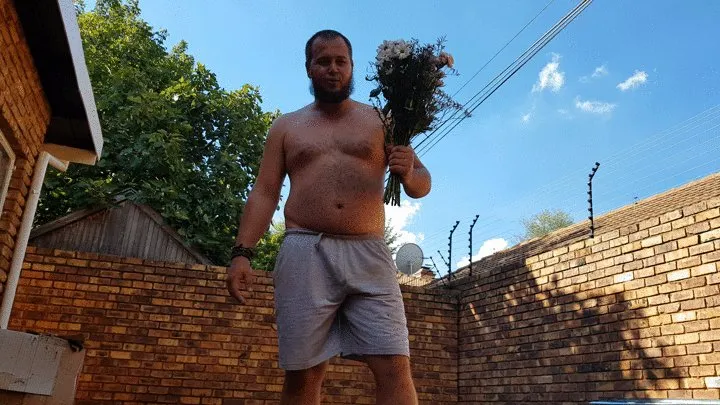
(629, 215)
(503, 47)
(521, 61)
(506, 74)
(483, 68)
(669, 138)
(611, 162)
(452, 117)
(673, 173)
(604, 223)
(668, 172)
(571, 181)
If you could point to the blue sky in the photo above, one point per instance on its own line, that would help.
(604, 90)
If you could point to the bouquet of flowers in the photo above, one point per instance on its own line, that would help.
(409, 96)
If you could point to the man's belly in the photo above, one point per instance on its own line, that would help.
(350, 212)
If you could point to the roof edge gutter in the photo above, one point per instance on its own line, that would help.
(72, 32)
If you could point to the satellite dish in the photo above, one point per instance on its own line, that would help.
(409, 258)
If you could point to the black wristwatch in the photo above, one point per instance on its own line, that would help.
(240, 250)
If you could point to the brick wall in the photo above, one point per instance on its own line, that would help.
(24, 116)
(169, 333)
(632, 313)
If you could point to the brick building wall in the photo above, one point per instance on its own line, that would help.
(169, 333)
(24, 116)
(632, 313)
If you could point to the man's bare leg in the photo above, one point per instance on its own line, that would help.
(302, 387)
(393, 380)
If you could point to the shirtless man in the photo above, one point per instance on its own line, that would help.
(336, 291)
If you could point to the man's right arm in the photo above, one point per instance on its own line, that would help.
(259, 208)
(265, 194)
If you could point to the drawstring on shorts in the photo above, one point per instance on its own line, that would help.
(317, 242)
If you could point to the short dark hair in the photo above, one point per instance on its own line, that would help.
(324, 34)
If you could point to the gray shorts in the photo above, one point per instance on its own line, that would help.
(336, 296)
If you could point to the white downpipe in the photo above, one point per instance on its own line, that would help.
(23, 234)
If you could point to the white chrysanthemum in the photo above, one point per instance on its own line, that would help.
(402, 49)
(393, 50)
(383, 57)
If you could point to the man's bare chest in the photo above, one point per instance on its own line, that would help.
(306, 146)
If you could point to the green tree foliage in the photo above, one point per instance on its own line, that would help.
(544, 223)
(391, 238)
(268, 247)
(174, 139)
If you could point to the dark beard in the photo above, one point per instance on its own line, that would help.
(332, 97)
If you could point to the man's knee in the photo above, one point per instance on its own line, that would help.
(389, 369)
(310, 378)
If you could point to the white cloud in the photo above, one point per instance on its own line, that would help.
(489, 247)
(399, 217)
(599, 71)
(529, 115)
(634, 81)
(550, 76)
(595, 107)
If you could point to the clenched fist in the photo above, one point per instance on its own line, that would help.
(401, 160)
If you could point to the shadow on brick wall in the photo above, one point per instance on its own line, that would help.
(632, 313)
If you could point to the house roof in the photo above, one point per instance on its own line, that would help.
(127, 229)
(52, 33)
(691, 193)
(421, 278)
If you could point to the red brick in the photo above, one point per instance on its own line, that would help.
(660, 229)
(713, 256)
(653, 241)
(631, 247)
(673, 329)
(681, 296)
(683, 222)
(693, 304)
(677, 255)
(689, 241)
(695, 208)
(660, 266)
(709, 214)
(698, 228)
(648, 223)
(673, 235)
(692, 261)
(704, 269)
(692, 383)
(687, 339)
(702, 248)
(708, 291)
(702, 371)
(699, 348)
(709, 336)
(678, 275)
(706, 394)
(709, 235)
